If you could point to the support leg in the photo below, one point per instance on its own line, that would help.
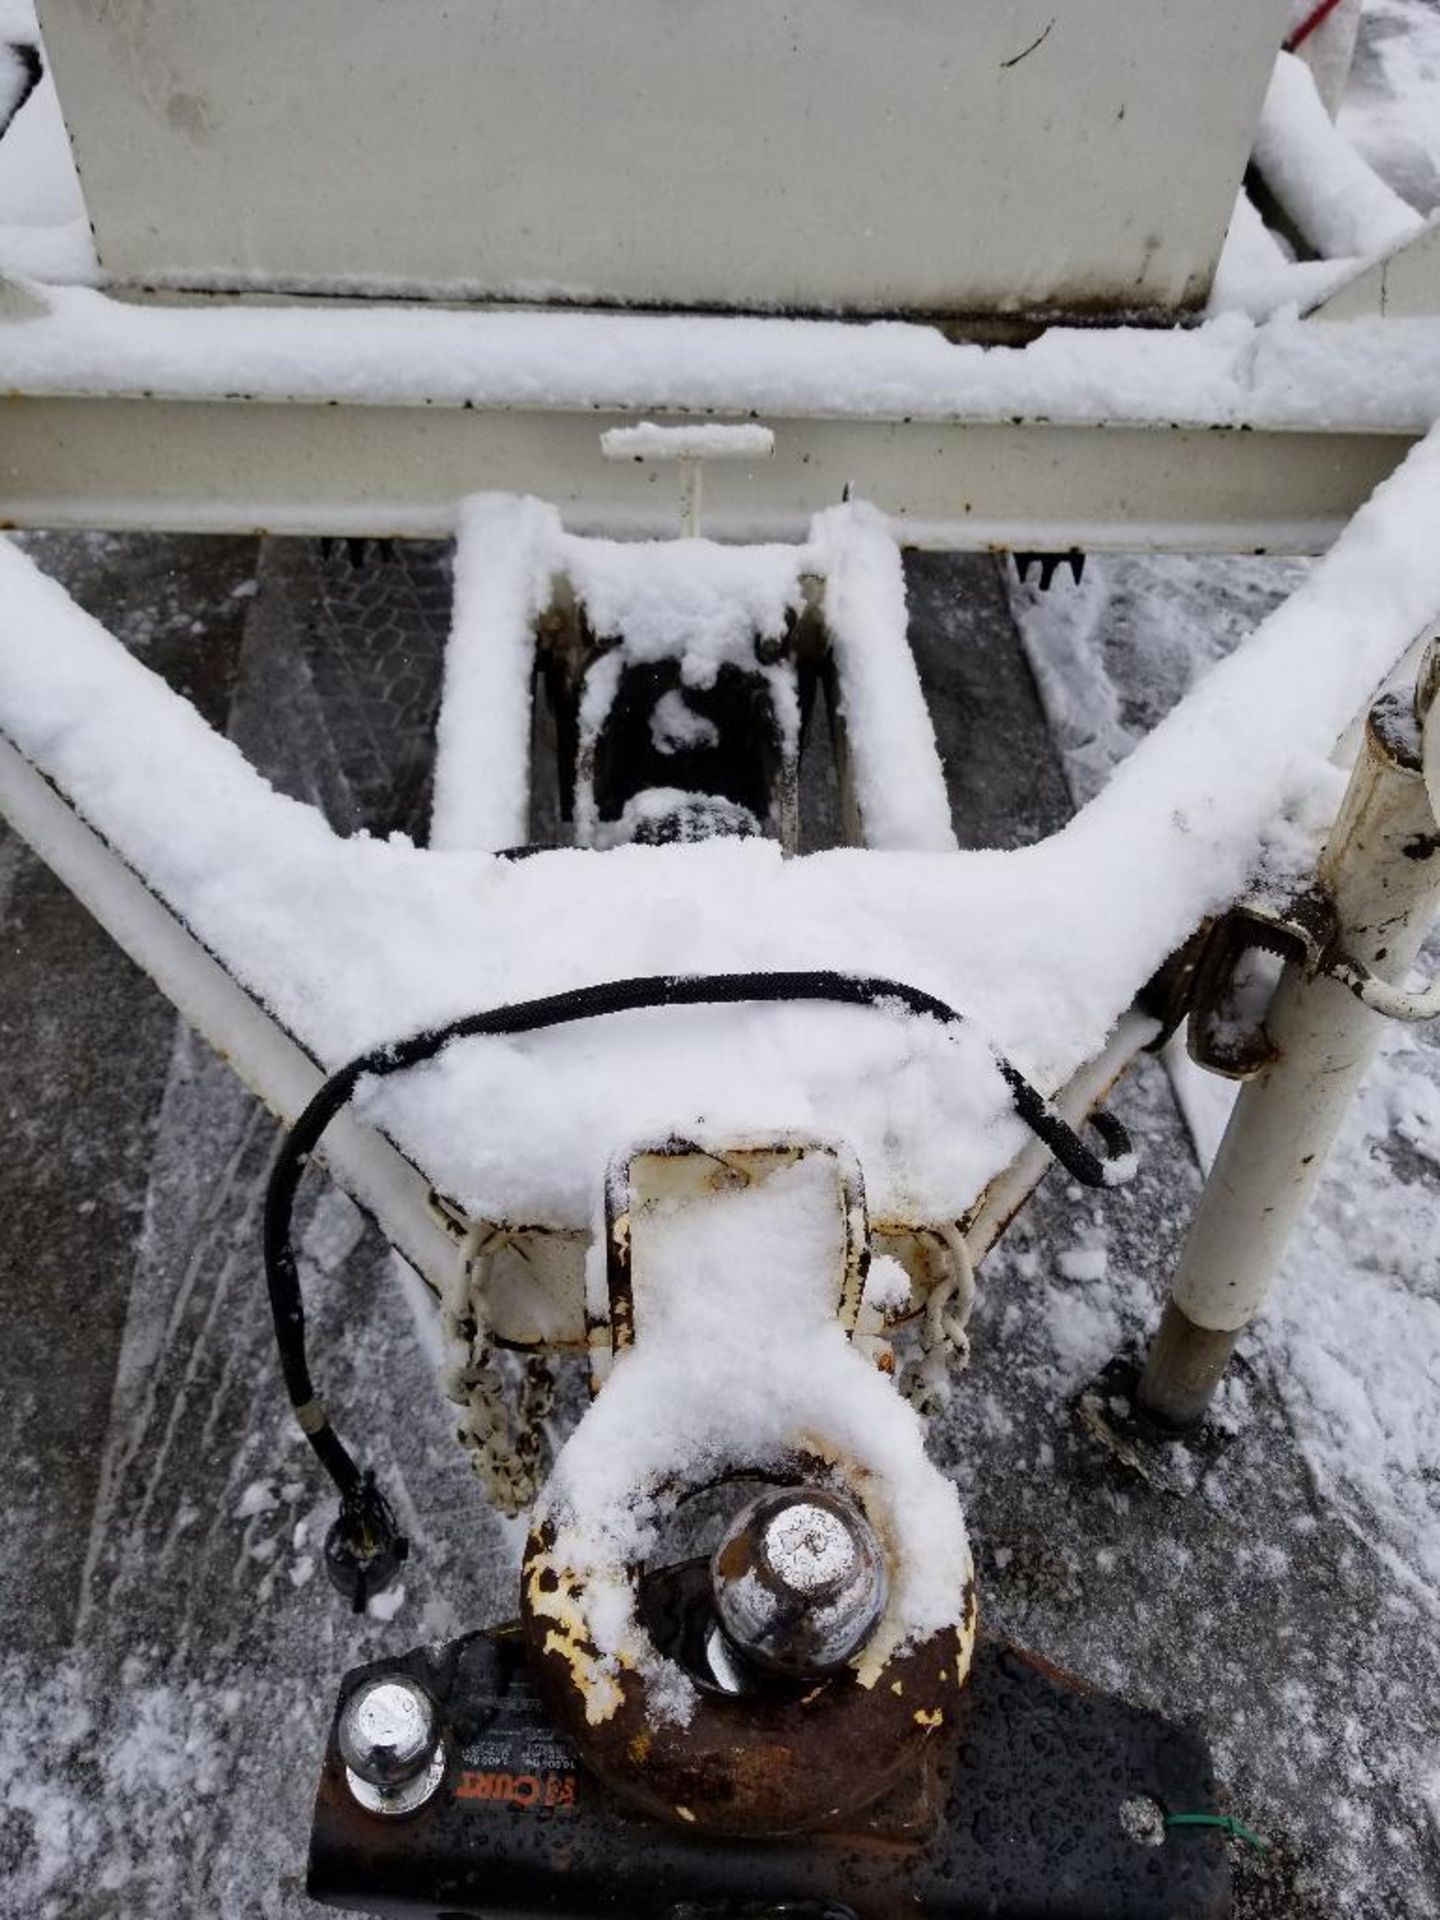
(1382, 871)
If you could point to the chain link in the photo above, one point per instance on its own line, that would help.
(507, 1399)
(944, 1340)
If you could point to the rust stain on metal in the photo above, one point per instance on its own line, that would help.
(555, 1616)
(770, 1763)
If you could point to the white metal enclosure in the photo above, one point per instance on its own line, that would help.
(863, 156)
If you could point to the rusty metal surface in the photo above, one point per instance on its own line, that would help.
(781, 1761)
(1224, 1037)
(1017, 1818)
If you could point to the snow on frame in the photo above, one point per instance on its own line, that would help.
(647, 441)
(355, 941)
(1282, 372)
(1339, 203)
(701, 603)
(1344, 208)
(502, 586)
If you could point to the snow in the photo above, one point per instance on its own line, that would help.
(886, 722)
(1339, 203)
(1391, 110)
(1084, 1263)
(683, 816)
(887, 1285)
(385, 1606)
(1282, 372)
(1315, 1683)
(1256, 275)
(354, 941)
(44, 234)
(1324, 1720)
(693, 599)
(259, 1497)
(1351, 1335)
(675, 725)
(1251, 361)
(503, 560)
(1353, 1326)
(1345, 206)
(647, 441)
(702, 605)
(1356, 193)
(1356, 1320)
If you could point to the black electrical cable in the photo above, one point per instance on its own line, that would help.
(358, 1496)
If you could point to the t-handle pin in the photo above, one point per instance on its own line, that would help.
(690, 445)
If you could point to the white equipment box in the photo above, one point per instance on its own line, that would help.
(940, 157)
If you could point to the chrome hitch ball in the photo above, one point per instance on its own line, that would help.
(799, 1582)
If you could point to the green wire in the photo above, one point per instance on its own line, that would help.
(1226, 1822)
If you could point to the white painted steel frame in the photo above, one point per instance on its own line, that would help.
(301, 467)
(437, 1243)
(436, 1240)
(206, 463)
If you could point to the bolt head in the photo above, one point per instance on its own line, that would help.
(799, 1581)
(389, 1730)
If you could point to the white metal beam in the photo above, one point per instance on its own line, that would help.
(1404, 284)
(209, 466)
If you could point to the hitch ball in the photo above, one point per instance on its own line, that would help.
(799, 1582)
(389, 1739)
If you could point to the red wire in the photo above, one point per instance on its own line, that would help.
(1307, 26)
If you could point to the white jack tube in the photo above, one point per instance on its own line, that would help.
(1381, 869)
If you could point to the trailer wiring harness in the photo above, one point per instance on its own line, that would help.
(365, 1545)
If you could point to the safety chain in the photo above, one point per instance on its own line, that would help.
(507, 1398)
(506, 1442)
(944, 1341)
